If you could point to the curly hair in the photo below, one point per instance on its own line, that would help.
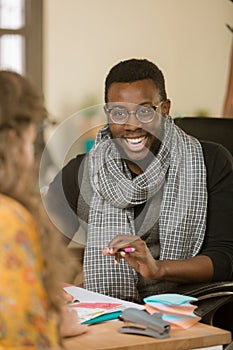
(21, 106)
(135, 69)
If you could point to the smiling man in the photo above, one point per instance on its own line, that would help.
(136, 126)
(156, 203)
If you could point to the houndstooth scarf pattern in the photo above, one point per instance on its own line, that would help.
(179, 167)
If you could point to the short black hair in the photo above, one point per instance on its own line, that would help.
(135, 69)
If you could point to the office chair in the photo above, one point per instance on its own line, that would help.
(215, 299)
(218, 130)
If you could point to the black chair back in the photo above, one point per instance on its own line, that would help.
(218, 130)
(215, 299)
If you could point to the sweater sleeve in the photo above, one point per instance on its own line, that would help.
(218, 243)
(25, 319)
(62, 196)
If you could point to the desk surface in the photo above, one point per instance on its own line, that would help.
(105, 336)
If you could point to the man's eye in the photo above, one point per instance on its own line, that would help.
(119, 112)
(145, 110)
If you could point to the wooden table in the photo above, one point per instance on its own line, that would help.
(105, 336)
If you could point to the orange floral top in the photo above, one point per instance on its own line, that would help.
(25, 321)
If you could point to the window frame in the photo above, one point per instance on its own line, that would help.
(32, 32)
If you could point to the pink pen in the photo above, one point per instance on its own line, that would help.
(127, 250)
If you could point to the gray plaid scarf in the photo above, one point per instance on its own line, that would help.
(179, 167)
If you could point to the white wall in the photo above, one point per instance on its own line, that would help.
(187, 39)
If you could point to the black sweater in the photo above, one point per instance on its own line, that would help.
(63, 194)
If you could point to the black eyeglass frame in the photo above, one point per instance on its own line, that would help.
(108, 111)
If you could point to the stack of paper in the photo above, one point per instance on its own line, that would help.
(93, 312)
(176, 309)
(94, 307)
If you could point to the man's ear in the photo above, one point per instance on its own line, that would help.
(166, 108)
(106, 114)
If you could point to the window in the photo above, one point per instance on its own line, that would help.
(21, 38)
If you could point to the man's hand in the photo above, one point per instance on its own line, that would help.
(135, 252)
(195, 269)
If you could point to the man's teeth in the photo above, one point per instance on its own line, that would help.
(136, 140)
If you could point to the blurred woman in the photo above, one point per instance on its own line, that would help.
(33, 262)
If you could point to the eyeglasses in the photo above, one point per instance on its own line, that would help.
(120, 114)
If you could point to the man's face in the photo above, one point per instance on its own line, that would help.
(135, 138)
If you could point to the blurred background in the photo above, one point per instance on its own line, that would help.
(188, 40)
(72, 44)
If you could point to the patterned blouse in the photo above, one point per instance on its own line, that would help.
(25, 322)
